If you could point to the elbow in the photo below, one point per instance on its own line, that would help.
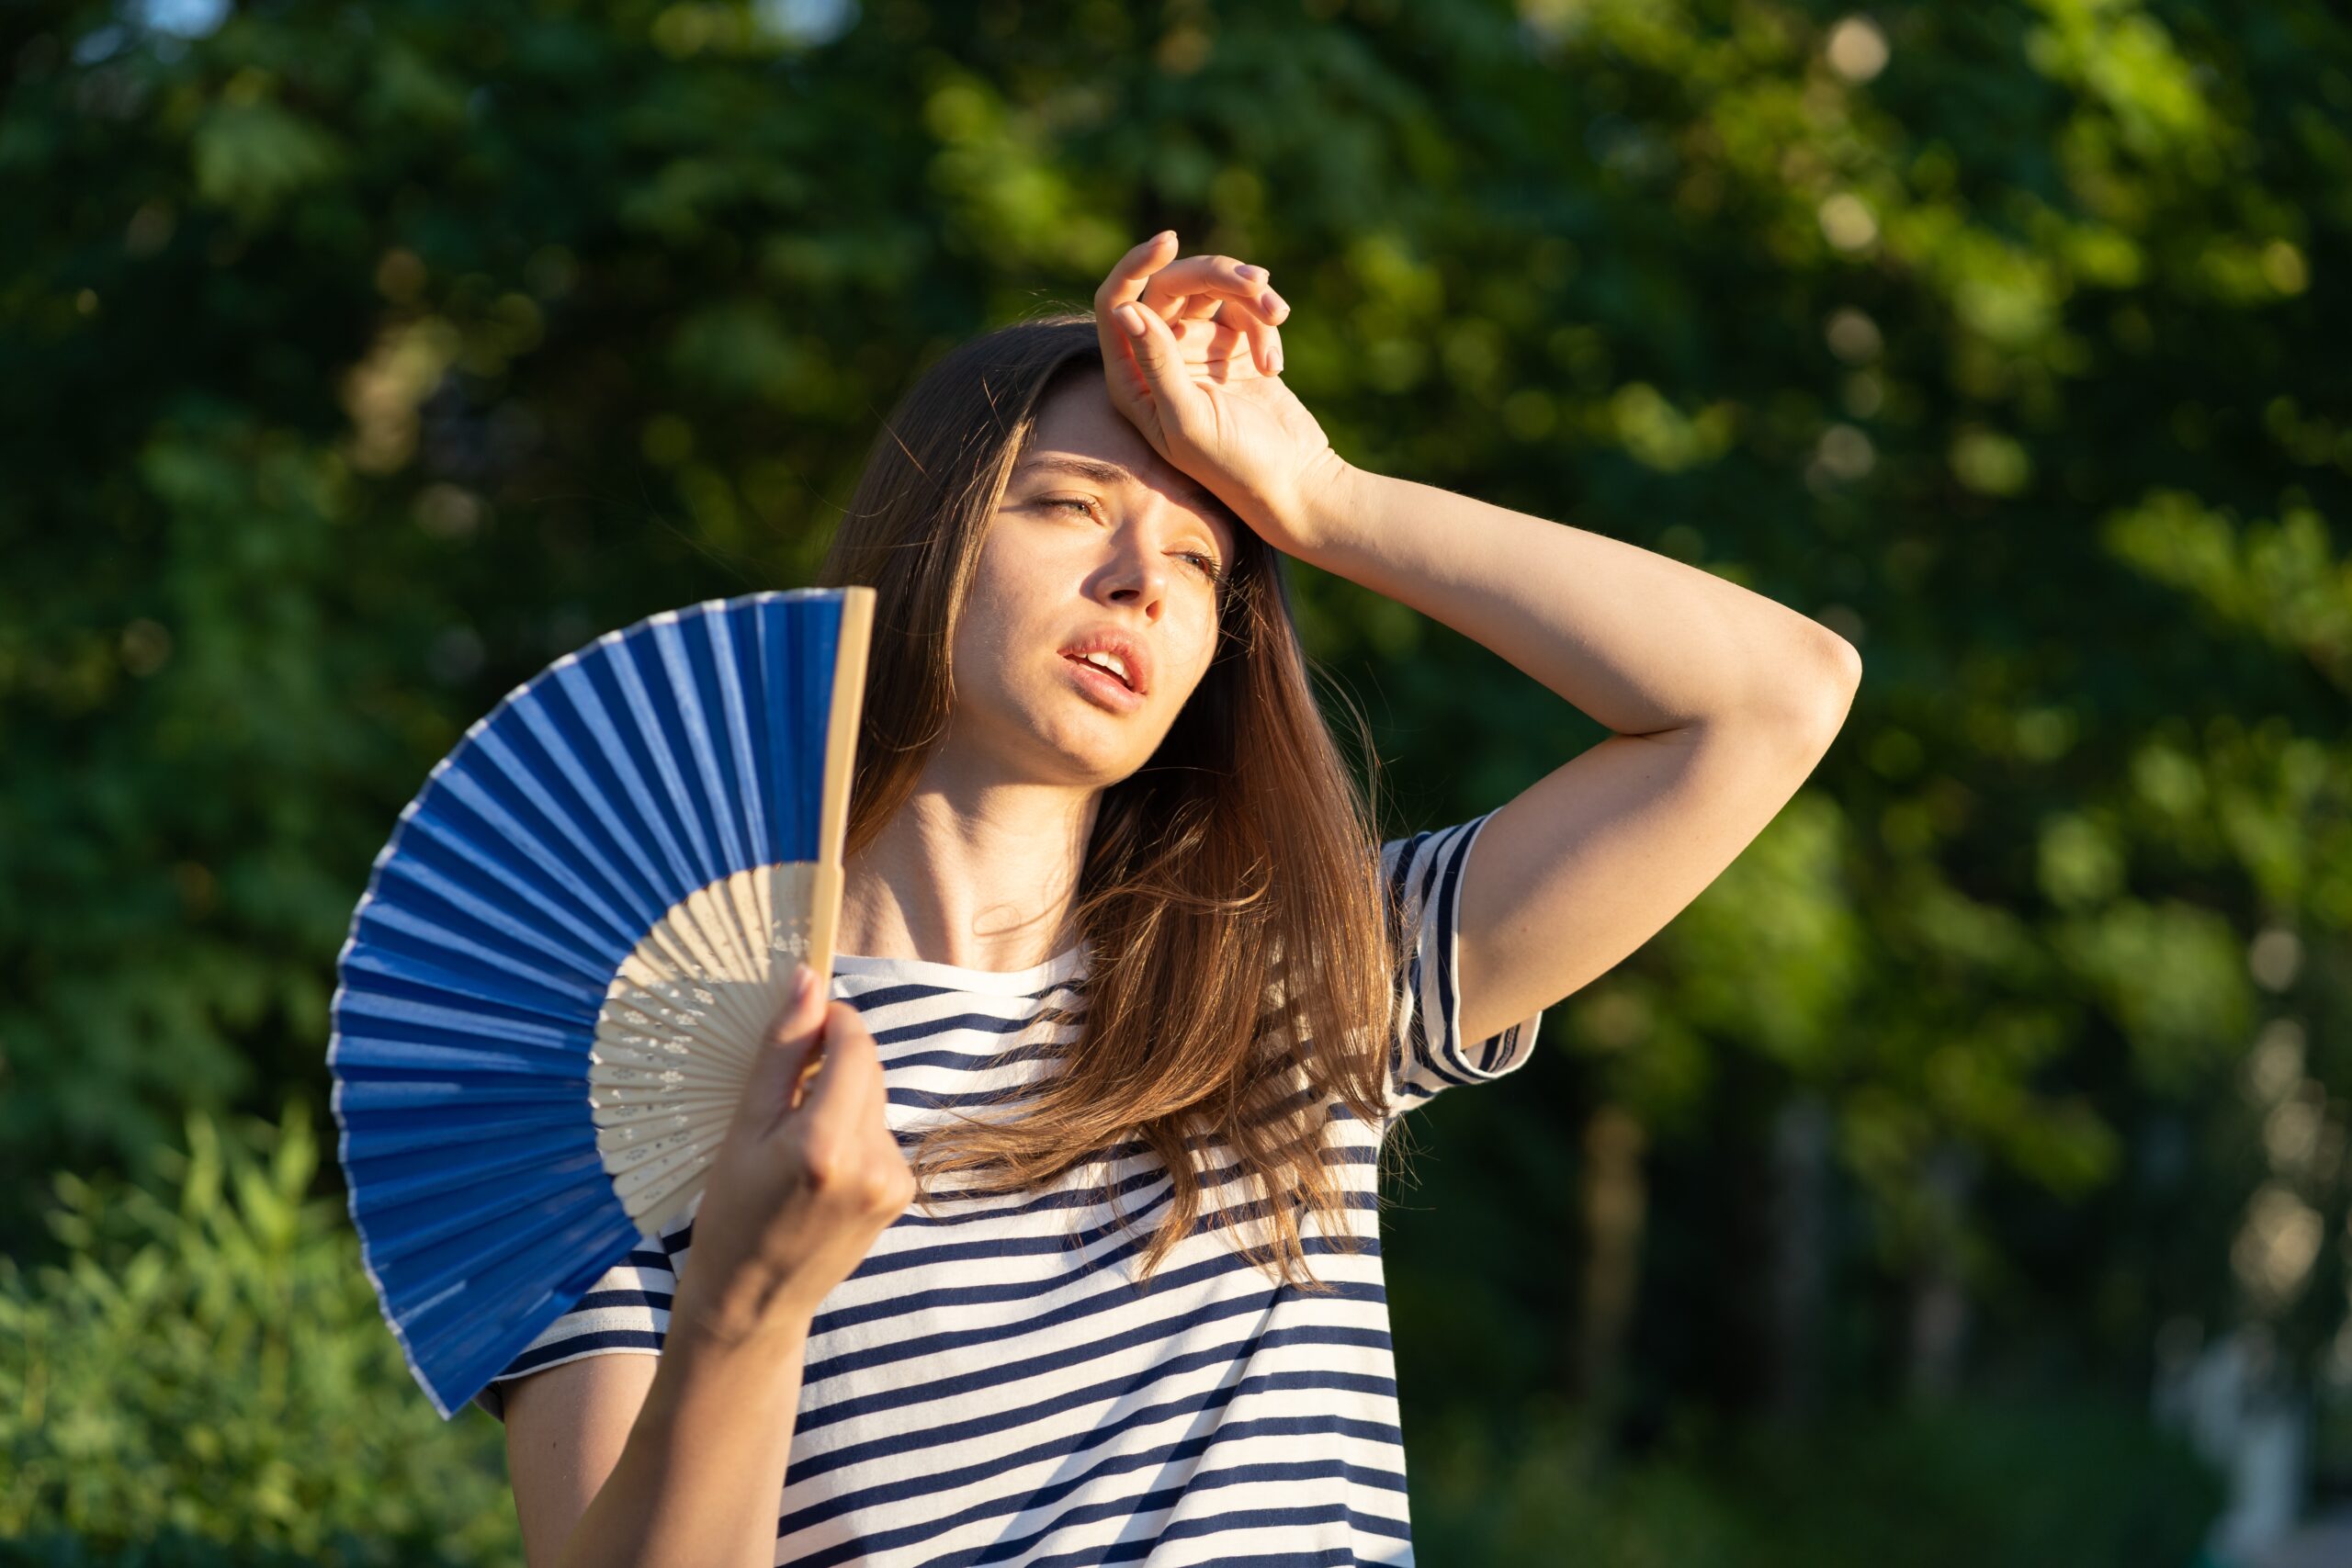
(1810, 691)
(1844, 662)
(1833, 690)
(1801, 696)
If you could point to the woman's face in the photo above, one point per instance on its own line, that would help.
(1131, 549)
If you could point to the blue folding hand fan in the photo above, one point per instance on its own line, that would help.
(557, 978)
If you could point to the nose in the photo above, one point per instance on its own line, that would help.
(1137, 576)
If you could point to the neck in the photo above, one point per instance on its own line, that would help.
(976, 875)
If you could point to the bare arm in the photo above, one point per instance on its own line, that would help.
(1723, 701)
(679, 1463)
(643, 1461)
(1641, 642)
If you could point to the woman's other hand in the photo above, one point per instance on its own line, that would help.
(1202, 383)
(801, 1186)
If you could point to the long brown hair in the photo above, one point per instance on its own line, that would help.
(1231, 899)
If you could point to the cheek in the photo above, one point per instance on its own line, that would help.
(1003, 612)
(1197, 647)
(1019, 569)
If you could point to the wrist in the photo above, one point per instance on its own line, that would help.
(772, 1346)
(1324, 506)
(704, 1383)
(758, 1321)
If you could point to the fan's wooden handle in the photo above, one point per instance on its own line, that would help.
(841, 775)
(832, 814)
(808, 1071)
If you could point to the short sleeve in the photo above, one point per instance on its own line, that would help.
(626, 1309)
(1427, 1053)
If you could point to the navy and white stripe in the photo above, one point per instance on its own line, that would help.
(990, 1386)
(1426, 1051)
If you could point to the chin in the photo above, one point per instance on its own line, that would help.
(1063, 752)
(1063, 739)
(1102, 770)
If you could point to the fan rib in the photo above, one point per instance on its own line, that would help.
(568, 955)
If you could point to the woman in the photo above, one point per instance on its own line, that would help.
(1113, 913)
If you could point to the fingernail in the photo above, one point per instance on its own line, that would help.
(1163, 234)
(1130, 318)
(803, 977)
(1252, 273)
(1276, 304)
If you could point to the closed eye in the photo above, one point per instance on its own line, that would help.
(1207, 564)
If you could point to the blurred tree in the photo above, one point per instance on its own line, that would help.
(213, 1369)
(361, 359)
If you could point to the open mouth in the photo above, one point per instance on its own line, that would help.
(1105, 686)
(1103, 669)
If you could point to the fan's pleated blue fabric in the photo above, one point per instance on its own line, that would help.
(539, 852)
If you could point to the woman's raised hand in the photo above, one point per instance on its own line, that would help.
(800, 1186)
(1202, 381)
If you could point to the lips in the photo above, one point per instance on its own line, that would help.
(1102, 688)
(1100, 669)
(1126, 650)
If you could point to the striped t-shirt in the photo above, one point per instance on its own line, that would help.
(990, 1388)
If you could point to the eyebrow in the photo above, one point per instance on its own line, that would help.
(1111, 474)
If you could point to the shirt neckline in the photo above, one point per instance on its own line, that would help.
(1063, 966)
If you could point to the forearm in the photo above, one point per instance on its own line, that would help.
(698, 1483)
(1641, 642)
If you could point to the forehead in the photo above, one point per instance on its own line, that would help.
(1079, 435)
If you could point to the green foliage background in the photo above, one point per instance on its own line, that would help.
(360, 359)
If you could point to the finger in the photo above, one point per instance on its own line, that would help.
(1217, 341)
(1222, 277)
(1128, 273)
(1125, 283)
(851, 1063)
(1123, 377)
(1237, 295)
(1156, 360)
(1265, 338)
(785, 1047)
(1153, 277)
(1272, 364)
